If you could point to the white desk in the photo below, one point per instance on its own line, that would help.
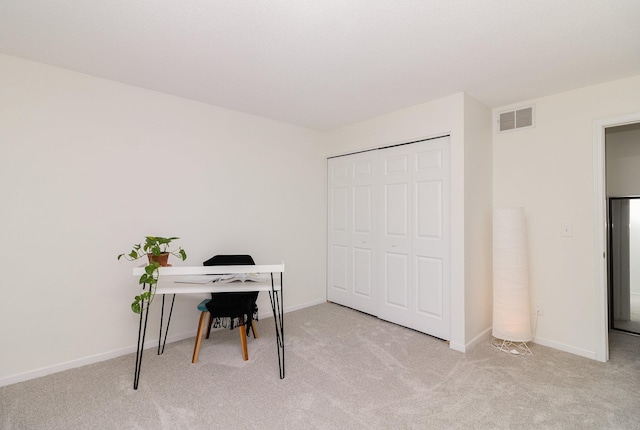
(171, 282)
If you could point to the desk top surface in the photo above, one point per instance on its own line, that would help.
(200, 279)
(213, 270)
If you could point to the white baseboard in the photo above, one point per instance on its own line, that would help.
(72, 364)
(457, 346)
(537, 340)
(300, 306)
(153, 343)
(566, 348)
(485, 334)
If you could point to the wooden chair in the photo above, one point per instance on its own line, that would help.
(239, 308)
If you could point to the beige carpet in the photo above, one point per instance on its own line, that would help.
(345, 370)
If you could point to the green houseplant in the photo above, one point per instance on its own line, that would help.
(157, 251)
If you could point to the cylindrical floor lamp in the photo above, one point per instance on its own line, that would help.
(511, 310)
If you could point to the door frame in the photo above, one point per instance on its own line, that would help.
(601, 227)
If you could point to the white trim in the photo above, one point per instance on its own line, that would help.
(600, 230)
(567, 348)
(298, 307)
(483, 336)
(44, 371)
(457, 347)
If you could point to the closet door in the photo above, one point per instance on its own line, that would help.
(414, 241)
(395, 235)
(351, 232)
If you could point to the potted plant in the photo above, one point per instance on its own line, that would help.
(156, 249)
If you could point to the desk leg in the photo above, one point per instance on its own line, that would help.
(142, 331)
(162, 342)
(277, 306)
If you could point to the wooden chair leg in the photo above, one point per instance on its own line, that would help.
(243, 341)
(196, 348)
(253, 329)
(209, 325)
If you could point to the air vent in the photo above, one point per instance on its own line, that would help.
(515, 119)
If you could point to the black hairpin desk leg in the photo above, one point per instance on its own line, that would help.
(142, 331)
(162, 342)
(277, 306)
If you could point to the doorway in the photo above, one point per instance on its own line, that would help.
(624, 270)
(622, 153)
(601, 220)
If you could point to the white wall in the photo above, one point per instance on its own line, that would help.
(478, 200)
(436, 118)
(89, 166)
(549, 170)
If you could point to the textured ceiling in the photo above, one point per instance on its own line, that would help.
(327, 63)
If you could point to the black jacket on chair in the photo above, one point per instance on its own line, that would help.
(240, 308)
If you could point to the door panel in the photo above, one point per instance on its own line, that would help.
(395, 163)
(363, 234)
(429, 159)
(396, 293)
(429, 280)
(431, 239)
(339, 264)
(396, 210)
(429, 210)
(351, 232)
(362, 273)
(415, 225)
(363, 209)
(395, 243)
(338, 288)
(363, 169)
(339, 214)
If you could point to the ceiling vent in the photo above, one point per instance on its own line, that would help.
(515, 119)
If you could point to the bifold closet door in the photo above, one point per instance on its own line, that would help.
(352, 231)
(414, 240)
(388, 234)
